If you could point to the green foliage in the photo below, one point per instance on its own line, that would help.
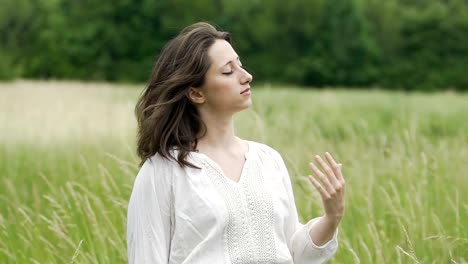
(344, 53)
(414, 44)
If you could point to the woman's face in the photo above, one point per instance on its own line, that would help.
(227, 85)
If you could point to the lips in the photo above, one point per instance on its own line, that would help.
(246, 90)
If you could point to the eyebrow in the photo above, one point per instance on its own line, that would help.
(230, 62)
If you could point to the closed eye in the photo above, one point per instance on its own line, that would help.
(231, 72)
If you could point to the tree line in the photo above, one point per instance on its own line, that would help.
(398, 44)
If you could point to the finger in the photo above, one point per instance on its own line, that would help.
(340, 175)
(335, 166)
(319, 188)
(325, 182)
(328, 171)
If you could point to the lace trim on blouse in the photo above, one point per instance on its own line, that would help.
(250, 211)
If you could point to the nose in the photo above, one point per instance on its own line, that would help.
(247, 77)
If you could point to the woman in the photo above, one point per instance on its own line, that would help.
(203, 195)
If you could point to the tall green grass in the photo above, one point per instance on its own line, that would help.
(67, 165)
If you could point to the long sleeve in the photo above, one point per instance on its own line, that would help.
(149, 214)
(301, 246)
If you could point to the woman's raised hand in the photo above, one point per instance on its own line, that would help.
(330, 185)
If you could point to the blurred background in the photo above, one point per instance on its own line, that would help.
(397, 44)
(379, 84)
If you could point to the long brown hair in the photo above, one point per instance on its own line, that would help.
(166, 117)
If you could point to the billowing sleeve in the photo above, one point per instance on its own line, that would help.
(301, 246)
(149, 214)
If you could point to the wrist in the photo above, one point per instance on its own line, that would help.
(332, 221)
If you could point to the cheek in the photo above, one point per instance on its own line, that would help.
(218, 87)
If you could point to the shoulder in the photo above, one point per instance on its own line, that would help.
(263, 147)
(269, 156)
(266, 151)
(157, 160)
(158, 168)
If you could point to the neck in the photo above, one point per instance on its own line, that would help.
(220, 132)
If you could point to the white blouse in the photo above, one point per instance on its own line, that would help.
(186, 215)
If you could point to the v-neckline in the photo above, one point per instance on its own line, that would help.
(217, 167)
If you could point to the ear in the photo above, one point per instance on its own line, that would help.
(195, 95)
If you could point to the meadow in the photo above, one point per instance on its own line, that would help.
(68, 162)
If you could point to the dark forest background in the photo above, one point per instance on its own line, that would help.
(397, 44)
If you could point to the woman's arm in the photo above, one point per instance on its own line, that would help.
(149, 215)
(323, 230)
(303, 249)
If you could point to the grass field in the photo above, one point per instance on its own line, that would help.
(68, 162)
